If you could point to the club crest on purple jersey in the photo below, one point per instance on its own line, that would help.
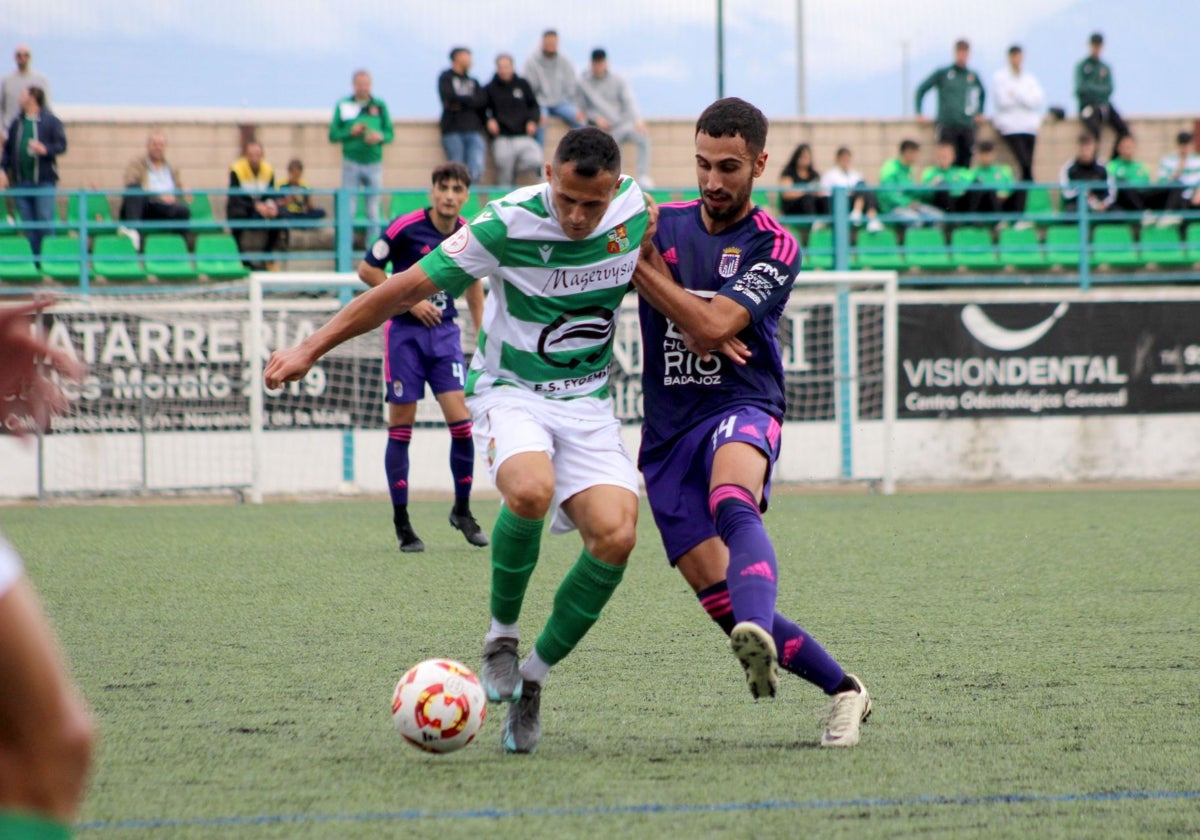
(731, 258)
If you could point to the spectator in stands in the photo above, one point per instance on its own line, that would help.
(862, 202)
(158, 189)
(15, 84)
(1093, 89)
(900, 196)
(30, 161)
(464, 106)
(608, 103)
(252, 197)
(960, 103)
(1132, 180)
(513, 116)
(993, 182)
(1181, 172)
(1085, 169)
(1019, 105)
(362, 125)
(945, 180)
(552, 77)
(295, 197)
(801, 193)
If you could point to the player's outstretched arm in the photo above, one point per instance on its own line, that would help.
(25, 389)
(394, 296)
(474, 298)
(711, 322)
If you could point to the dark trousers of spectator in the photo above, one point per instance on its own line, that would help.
(36, 208)
(809, 204)
(274, 233)
(989, 201)
(1141, 199)
(1094, 118)
(963, 138)
(139, 207)
(947, 203)
(1021, 146)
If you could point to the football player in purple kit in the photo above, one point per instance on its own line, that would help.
(424, 346)
(713, 285)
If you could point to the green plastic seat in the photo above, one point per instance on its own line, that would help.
(60, 258)
(1062, 246)
(1163, 247)
(662, 196)
(1042, 201)
(972, 248)
(401, 203)
(1021, 249)
(98, 210)
(16, 261)
(201, 206)
(470, 208)
(1193, 242)
(217, 257)
(766, 200)
(167, 257)
(8, 225)
(1113, 245)
(115, 259)
(877, 249)
(818, 253)
(925, 250)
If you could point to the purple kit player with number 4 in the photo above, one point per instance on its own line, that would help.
(713, 285)
(424, 345)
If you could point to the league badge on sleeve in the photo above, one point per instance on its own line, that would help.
(731, 258)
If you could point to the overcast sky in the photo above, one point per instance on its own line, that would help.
(300, 53)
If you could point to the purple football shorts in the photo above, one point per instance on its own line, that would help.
(417, 354)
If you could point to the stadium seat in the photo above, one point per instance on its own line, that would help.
(1041, 200)
(1021, 249)
(115, 258)
(98, 210)
(470, 208)
(401, 203)
(766, 200)
(878, 249)
(925, 249)
(1193, 241)
(16, 261)
(818, 253)
(662, 196)
(1113, 245)
(217, 257)
(972, 248)
(60, 258)
(1062, 246)
(167, 257)
(1163, 247)
(8, 225)
(201, 206)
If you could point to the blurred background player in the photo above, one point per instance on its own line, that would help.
(539, 393)
(424, 345)
(45, 727)
(716, 277)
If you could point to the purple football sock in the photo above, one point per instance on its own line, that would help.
(395, 463)
(803, 655)
(752, 574)
(462, 463)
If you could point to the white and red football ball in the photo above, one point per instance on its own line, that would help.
(439, 705)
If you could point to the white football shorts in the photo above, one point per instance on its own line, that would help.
(10, 566)
(581, 436)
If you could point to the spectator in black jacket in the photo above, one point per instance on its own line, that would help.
(1101, 192)
(30, 161)
(463, 105)
(513, 115)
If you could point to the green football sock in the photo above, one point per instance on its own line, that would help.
(30, 827)
(577, 604)
(515, 545)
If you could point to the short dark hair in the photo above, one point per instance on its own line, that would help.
(546, 32)
(944, 142)
(1097, 38)
(842, 150)
(985, 146)
(452, 171)
(599, 54)
(591, 150)
(1015, 48)
(962, 44)
(38, 95)
(1183, 138)
(1085, 138)
(456, 50)
(909, 146)
(730, 117)
(295, 163)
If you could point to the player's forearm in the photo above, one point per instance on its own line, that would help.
(371, 275)
(693, 314)
(394, 296)
(474, 296)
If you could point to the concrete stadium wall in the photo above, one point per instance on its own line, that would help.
(202, 143)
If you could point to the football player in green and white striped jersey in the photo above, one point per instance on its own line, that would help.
(560, 256)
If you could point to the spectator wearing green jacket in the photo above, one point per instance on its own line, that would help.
(993, 182)
(899, 195)
(945, 181)
(960, 103)
(362, 125)
(1133, 181)
(1093, 89)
